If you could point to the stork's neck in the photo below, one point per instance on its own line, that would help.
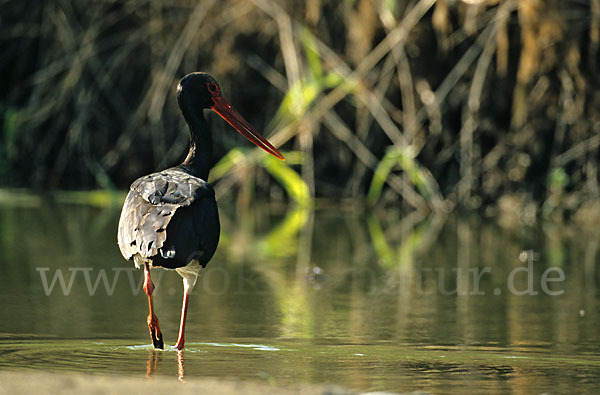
(199, 156)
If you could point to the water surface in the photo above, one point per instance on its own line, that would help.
(369, 301)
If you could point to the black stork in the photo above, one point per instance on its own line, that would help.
(170, 218)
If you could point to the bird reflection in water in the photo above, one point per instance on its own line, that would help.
(153, 362)
(180, 368)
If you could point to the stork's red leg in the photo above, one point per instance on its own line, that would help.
(155, 333)
(184, 307)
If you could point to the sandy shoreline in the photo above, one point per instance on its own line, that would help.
(40, 382)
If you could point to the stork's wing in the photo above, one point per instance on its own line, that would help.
(169, 217)
(193, 233)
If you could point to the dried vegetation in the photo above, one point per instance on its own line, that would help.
(429, 104)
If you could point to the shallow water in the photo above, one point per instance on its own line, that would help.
(364, 300)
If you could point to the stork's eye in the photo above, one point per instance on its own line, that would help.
(213, 88)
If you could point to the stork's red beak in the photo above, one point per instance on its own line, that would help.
(228, 113)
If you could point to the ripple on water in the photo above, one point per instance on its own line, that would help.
(190, 347)
(259, 347)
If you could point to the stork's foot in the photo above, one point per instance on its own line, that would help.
(155, 333)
